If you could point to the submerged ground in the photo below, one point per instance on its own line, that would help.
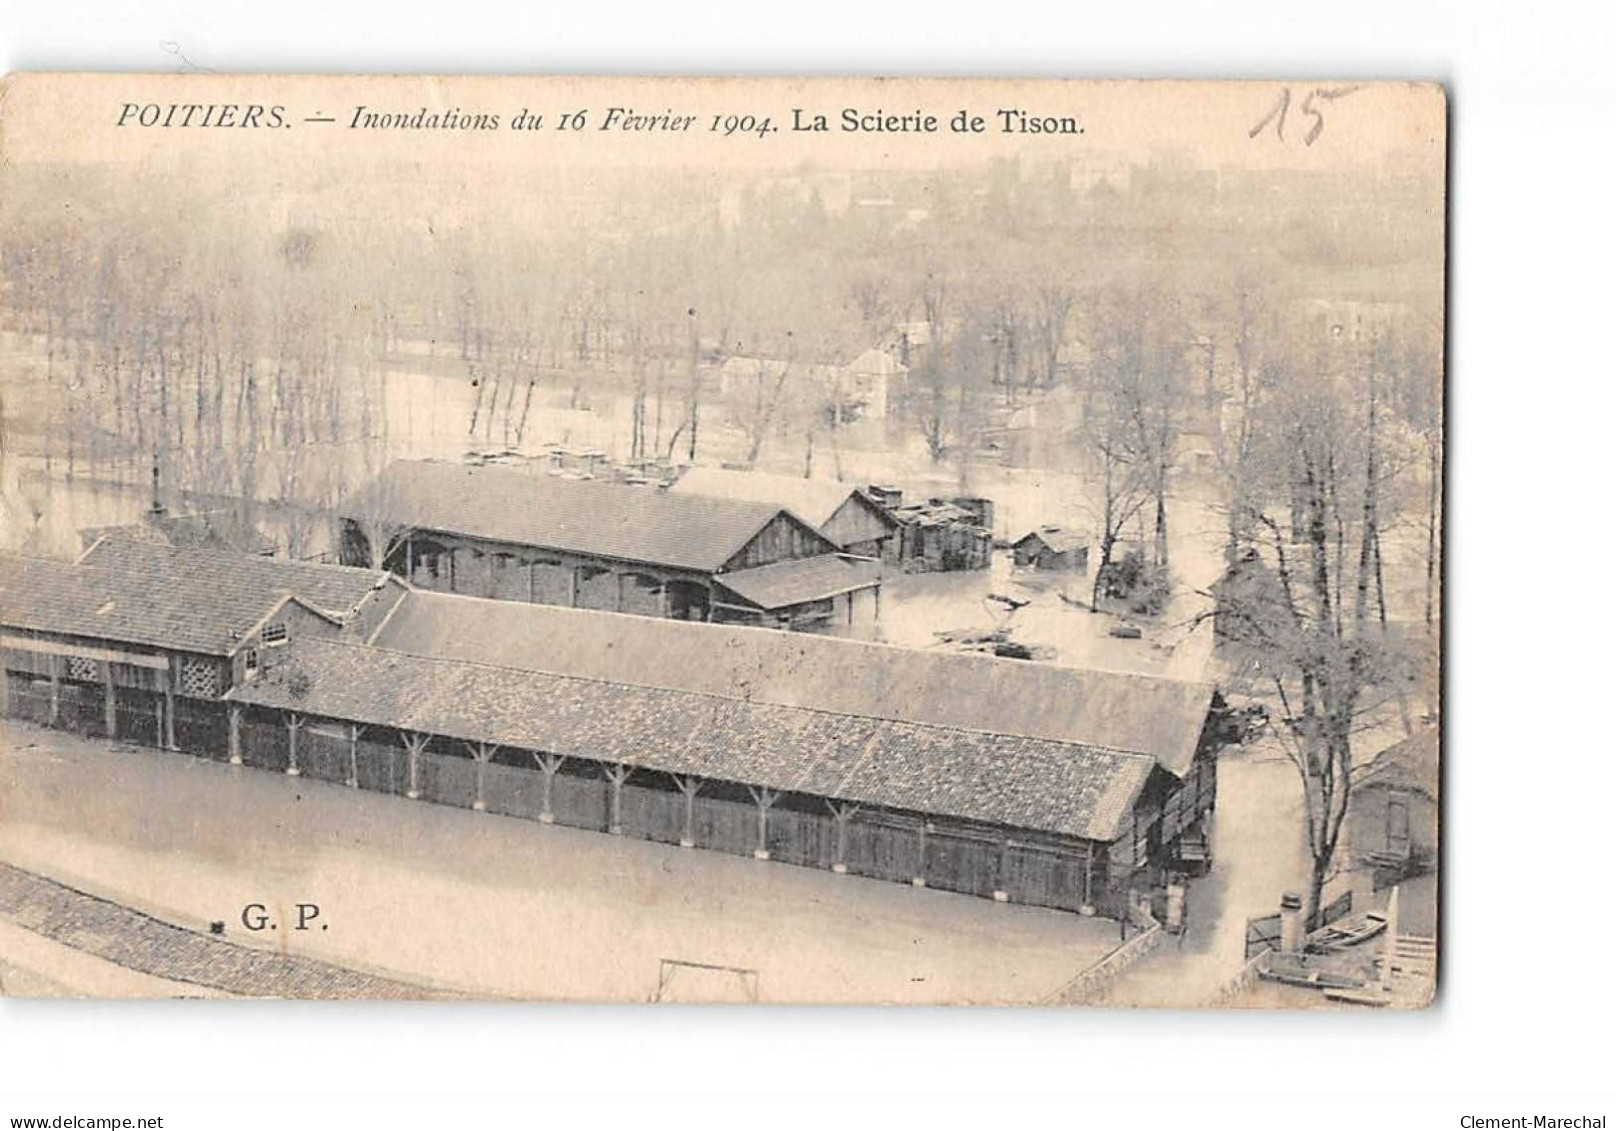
(466, 901)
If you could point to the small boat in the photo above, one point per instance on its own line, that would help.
(1346, 933)
(1295, 970)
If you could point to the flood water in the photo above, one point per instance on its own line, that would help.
(429, 406)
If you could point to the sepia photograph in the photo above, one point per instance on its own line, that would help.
(680, 540)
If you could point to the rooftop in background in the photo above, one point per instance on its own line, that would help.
(1008, 779)
(1143, 714)
(631, 523)
(812, 500)
(144, 593)
(205, 530)
(1057, 538)
(1413, 763)
(877, 362)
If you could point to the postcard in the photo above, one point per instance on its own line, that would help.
(913, 541)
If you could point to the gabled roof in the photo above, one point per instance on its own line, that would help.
(154, 595)
(1139, 713)
(877, 362)
(630, 523)
(1010, 780)
(783, 584)
(1413, 763)
(1057, 538)
(812, 500)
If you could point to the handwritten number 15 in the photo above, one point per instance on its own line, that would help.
(1312, 107)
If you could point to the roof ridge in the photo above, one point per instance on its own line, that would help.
(960, 658)
(1093, 747)
(252, 561)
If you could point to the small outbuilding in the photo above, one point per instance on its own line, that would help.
(1392, 823)
(1052, 547)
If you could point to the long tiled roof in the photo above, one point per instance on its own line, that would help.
(159, 596)
(1028, 783)
(528, 508)
(1145, 714)
(783, 584)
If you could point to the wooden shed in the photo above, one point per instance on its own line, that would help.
(1052, 548)
(1392, 822)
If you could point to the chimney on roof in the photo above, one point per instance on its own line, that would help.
(156, 487)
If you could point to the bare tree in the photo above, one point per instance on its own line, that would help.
(1328, 672)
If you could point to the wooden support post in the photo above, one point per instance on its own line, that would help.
(483, 753)
(294, 723)
(549, 764)
(690, 787)
(765, 799)
(109, 692)
(409, 558)
(168, 708)
(56, 690)
(5, 685)
(413, 745)
(919, 879)
(622, 581)
(354, 731)
(1001, 889)
(843, 814)
(1087, 907)
(616, 774)
(532, 567)
(664, 609)
(235, 735)
(572, 587)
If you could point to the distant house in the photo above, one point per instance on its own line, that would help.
(1392, 822)
(844, 513)
(1052, 547)
(518, 534)
(910, 341)
(873, 380)
(742, 375)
